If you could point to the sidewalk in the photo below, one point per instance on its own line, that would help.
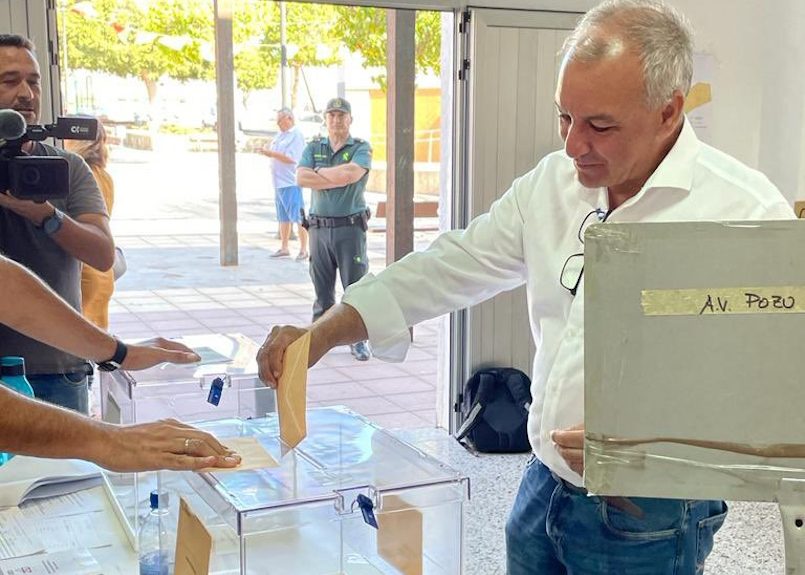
(176, 286)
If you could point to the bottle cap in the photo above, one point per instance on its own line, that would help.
(12, 365)
(159, 499)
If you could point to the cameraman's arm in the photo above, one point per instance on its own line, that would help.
(87, 237)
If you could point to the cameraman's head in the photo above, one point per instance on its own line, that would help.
(20, 80)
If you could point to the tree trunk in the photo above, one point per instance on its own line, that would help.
(150, 86)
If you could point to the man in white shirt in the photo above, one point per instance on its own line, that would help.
(285, 151)
(630, 155)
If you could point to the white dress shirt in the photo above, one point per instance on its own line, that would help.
(525, 238)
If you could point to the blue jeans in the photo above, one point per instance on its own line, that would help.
(555, 528)
(69, 390)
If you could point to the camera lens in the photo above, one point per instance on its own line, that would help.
(31, 176)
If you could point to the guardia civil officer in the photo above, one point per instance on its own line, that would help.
(336, 169)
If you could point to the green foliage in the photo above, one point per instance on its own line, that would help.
(183, 130)
(364, 30)
(151, 38)
(257, 40)
(123, 37)
(257, 61)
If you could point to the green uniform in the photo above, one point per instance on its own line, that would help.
(337, 221)
(343, 200)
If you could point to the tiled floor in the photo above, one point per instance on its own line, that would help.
(175, 286)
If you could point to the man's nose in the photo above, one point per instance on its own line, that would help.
(24, 92)
(576, 144)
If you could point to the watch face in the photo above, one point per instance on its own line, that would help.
(53, 223)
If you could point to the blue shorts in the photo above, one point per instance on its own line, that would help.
(289, 201)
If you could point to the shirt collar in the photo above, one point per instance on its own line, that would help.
(349, 141)
(676, 169)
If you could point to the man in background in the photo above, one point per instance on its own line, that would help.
(53, 238)
(336, 169)
(285, 151)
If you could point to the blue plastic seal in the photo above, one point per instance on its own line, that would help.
(217, 387)
(367, 509)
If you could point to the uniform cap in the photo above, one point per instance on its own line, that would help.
(338, 104)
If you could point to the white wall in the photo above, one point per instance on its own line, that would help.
(759, 83)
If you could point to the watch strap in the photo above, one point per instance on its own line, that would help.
(114, 362)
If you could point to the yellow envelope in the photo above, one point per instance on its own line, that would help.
(399, 535)
(292, 391)
(193, 543)
(252, 455)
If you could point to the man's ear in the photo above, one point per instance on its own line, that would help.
(672, 112)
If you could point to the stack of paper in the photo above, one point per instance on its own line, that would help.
(25, 478)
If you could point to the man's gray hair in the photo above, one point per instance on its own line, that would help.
(285, 112)
(660, 35)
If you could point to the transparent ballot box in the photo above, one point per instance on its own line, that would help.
(351, 499)
(181, 391)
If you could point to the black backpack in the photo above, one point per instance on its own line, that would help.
(494, 410)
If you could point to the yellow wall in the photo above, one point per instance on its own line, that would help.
(427, 116)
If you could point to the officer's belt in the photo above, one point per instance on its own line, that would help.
(336, 222)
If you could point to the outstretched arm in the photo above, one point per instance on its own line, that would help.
(29, 306)
(31, 427)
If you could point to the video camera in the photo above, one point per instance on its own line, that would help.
(37, 178)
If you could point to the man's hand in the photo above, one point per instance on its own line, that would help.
(340, 325)
(158, 350)
(271, 354)
(570, 445)
(164, 444)
(31, 211)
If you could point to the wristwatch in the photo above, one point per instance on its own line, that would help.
(114, 362)
(53, 223)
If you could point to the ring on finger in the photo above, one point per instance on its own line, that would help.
(187, 442)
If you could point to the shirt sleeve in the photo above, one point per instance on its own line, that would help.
(460, 269)
(85, 196)
(363, 155)
(306, 161)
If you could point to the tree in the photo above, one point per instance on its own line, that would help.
(151, 38)
(256, 60)
(145, 40)
(311, 39)
(364, 30)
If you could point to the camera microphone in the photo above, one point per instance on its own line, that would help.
(12, 125)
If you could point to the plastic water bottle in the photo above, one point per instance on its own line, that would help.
(12, 374)
(157, 538)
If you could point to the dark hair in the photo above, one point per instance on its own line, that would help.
(16, 41)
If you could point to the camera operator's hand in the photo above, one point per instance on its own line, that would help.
(31, 211)
(86, 237)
